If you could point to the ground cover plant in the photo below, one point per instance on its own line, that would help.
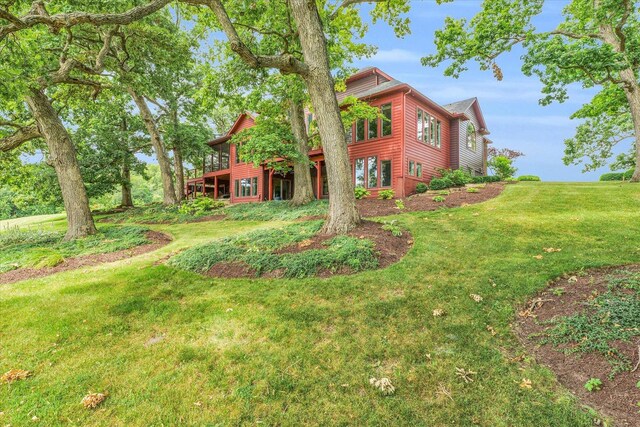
(170, 346)
(585, 327)
(275, 210)
(259, 251)
(37, 248)
(157, 213)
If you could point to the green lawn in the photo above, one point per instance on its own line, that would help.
(173, 347)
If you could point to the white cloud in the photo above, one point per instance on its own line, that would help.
(395, 55)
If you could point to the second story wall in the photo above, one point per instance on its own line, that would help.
(471, 147)
(417, 150)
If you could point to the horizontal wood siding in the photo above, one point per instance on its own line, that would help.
(385, 148)
(359, 85)
(470, 160)
(244, 170)
(455, 143)
(432, 158)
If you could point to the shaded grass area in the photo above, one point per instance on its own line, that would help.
(174, 347)
(155, 213)
(38, 248)
(608, 318)
(275, 210)
(257, 250)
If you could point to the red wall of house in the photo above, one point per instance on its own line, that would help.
(244, 170)
(385, 148)
(431, 157)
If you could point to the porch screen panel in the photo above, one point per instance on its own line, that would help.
(359, 172)
(385, 173)
(373, 172)
(224, 155)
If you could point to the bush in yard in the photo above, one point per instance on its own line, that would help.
(472, 190)
(421, 187)
(502, 166)
(386, 194)
(361, 193)
(594, 384)
(440, 183)
(439, 199)
(400, 204)
(199, 206)
(528, 178)
(617, 176)
(485, 179)
(458, 177)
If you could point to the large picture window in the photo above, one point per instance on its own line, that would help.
(419, 125)
(372, 172)
(385, 173)
(386, 119)
(359, 173)
(471, 136)
(246, 187)
(432, 131)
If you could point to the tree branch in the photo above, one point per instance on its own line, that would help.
(18, 138)
(38, 15)
(286, 63)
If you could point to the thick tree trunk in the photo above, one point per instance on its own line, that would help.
(632, 91)
(168, 190)
(343, 215)
(302, 186)
(62, 155)
(127, 198)
(178, 167)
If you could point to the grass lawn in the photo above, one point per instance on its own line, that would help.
(174, 347)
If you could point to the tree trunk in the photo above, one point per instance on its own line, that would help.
(343, 215)
(632, 91)
(168, 190)
(62, 155)
(302, 187)
(127, 199)
(178, 167)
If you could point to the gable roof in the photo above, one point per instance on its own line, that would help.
(461, 107)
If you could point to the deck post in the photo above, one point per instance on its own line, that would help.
(270, 185)
(318, 180)
(215, 187)
(204, 187)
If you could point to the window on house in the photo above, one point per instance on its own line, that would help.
(349, 134)
(254, 186)
(373, 129)
(224, 156)
(237, 187)
(385, 173)
(471, 136)
(425, 122)
(386, 119)
(419, 125)
(360, 130)
(419, 169)
(432, 131)
(412, 168)
(359, 173)
(372, 172)
(438, 133)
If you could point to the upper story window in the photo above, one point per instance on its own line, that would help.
(419, 124)
(373, 129)
(218, 159)
(360, 130)
(429, 129)
(349, 134)
(385, 109)
(471, 136)
(438, 133)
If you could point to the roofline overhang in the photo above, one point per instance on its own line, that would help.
(219, 140)
(367, 72)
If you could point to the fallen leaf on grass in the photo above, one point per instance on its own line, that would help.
(538, 256)
(438, 312)
(383, 384)
(525, 383)
(476, 297)
(491, 330)
(93, 400)
(572, 279)
(550, 250)
(14, 375)
(465, 375)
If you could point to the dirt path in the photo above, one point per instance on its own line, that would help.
(158, 240)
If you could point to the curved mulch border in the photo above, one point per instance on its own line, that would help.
(159, 240)
(619, 397)
(424, 202)
(389, 249)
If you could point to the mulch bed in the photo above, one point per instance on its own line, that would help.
(389, 248)
(619, 397)
(159, 240)
(424, 202)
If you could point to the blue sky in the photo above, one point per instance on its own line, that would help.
(510, 106)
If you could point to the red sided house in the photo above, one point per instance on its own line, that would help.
(418, 137)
